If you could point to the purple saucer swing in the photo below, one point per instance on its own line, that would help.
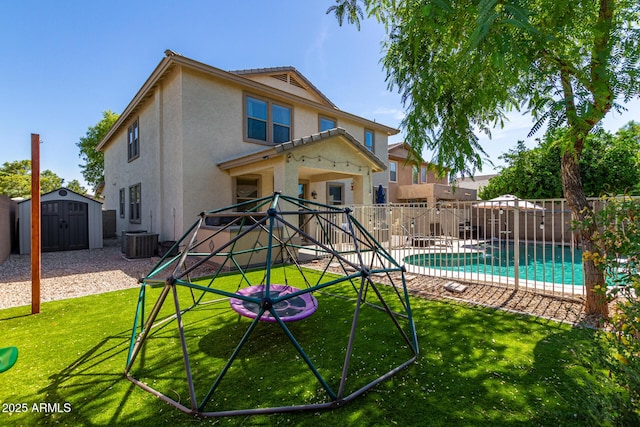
(289, 309)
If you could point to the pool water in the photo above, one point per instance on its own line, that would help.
(546, 263)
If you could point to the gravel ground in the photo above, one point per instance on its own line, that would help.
(77, 273)
(70, 274)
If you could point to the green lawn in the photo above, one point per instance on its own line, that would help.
(476, 366)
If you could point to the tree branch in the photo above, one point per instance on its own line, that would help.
(601, 87)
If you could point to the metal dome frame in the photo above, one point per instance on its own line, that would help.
(358, 256)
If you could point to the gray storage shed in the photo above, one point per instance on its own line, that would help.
(69, 221)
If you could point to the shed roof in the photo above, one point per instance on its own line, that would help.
(45, 195)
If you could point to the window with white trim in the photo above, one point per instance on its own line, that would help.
(393, 171)
(423, 174)
(414, 174)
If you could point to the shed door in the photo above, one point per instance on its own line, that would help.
(64, 225)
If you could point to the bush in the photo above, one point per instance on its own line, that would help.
(617, 253)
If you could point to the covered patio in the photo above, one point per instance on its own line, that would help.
(331, 167)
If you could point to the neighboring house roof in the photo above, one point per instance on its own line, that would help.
(476, 178)
(289, 74)
(281, 149)
(172, 60)
(400, 150)
(476, 182)
(396, 145)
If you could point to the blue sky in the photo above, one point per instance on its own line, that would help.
(67, 62)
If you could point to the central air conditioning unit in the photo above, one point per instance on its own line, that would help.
(141, 245)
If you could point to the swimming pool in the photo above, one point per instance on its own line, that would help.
(546, 263)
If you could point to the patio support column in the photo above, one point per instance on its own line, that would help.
(360, 190)
(285, 178)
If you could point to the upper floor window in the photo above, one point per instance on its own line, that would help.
(326, 123)
(393, 171)
(267, 121)
(135, 197)
(423, 174)
(414, 174)
(281, 117)
(369, 139)
(133, 141)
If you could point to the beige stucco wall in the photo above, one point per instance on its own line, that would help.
(119, 173)
(212, 131)
(169, 181)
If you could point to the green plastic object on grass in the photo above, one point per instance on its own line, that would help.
(8, 358)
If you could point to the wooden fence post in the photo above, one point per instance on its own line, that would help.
(35, 223)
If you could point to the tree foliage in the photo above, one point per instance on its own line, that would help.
(93, 167)
(461, 66)
(15, 179)
(529, 174)
(349, 9)
(74, 185)
(610, 164)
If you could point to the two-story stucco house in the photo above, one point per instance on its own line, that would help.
(195, 138)
(418, 183)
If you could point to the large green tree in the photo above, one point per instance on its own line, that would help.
(15, 179)
(609, 166)
(528, 174)
(461, 66)
(74, 185)
(93, 167)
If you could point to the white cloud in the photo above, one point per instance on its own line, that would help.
(394, 113)
(315, 53)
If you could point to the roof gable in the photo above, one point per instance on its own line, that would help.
(287, 79)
